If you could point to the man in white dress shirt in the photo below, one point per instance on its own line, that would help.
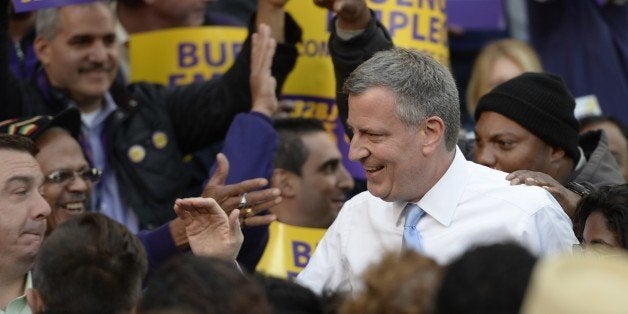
(404, 114)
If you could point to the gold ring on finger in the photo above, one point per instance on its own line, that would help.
(248, 212)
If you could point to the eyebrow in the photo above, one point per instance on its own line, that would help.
(333, 161)
(21, 179)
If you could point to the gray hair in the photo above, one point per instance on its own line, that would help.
(423, 87)
(47, 22)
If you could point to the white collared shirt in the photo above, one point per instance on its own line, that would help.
(470, 205)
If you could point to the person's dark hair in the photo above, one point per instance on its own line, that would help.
(90, 264)
(197, 284)
(486, 279)
(291, 152)
(287, 297)
(593, 120)
(612, 202)
(130, 3)
(18, 143)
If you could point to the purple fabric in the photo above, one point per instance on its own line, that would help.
(29, 5)
(586, 44)
(24, 65)
(159, 246)
(476, 14)
(250, 147)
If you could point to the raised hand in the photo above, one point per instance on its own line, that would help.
(209, 230)
(262, 82)
(229, 196)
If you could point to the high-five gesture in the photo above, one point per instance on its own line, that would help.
(263, 84)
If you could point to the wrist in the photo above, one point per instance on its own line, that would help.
(581, 189)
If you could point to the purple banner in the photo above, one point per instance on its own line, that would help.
(476, 14)
(32, 5)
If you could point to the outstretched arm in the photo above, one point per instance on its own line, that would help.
(209, 230)
(356, 35)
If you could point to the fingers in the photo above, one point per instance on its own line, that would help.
(261, 200)
(234, 221)
(222, 170)
(233, 192)
(185, 215)
(258, 220)
(262, 49)
(195, 206)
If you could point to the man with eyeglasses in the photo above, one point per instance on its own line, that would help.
(69, 179)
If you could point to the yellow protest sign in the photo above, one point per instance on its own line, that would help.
(418, 24)
(289, 249)
(184, 55)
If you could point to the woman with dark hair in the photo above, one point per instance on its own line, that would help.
(603, 217)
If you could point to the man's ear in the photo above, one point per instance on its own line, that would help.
(42, 50)
(433, 129)
(557, 154)
(285, 181)
(35, 302)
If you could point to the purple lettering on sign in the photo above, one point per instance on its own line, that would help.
(187, 55)
(32, 5)
(301, 252)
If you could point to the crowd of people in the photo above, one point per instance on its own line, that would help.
(99, 212)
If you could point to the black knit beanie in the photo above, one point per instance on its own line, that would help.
(541, 103)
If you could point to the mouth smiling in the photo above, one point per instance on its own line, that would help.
(73, 208)
(373, 169)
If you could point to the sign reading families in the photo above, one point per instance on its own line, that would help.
(32, 5)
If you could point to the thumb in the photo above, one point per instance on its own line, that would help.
(222, 170)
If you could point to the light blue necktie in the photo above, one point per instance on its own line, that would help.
(411, 236)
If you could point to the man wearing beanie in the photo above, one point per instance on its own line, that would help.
(528, 123)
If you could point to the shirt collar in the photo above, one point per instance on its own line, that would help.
(109, 106)
(441, 201)
(582, 161)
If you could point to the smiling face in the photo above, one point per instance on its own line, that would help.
(324, 179)
(505, 145)
(23, 210)
(60, 151)
(389, 151)
(82, 58)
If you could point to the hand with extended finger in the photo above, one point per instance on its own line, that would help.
(229, 196)
(209, 230)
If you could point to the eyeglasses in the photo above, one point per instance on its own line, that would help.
(65, 176)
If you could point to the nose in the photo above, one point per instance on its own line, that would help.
(357, 151)
(41, 208)
(78, 184)
(99, 52)
(484, 156)
(345, 181)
